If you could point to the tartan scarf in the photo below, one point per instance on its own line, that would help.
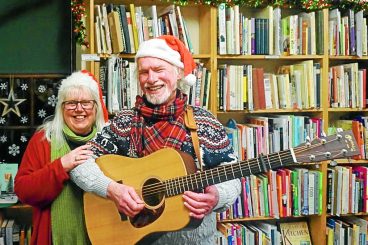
(158, 126)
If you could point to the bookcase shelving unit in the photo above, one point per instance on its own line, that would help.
(202, 25)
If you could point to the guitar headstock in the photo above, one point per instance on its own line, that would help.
(337, 146)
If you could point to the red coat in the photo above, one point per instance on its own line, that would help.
(38, 183)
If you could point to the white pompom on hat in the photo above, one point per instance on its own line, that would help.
(172, 50)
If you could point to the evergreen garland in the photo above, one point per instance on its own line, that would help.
(79, 10)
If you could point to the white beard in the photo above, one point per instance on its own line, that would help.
(161, 99)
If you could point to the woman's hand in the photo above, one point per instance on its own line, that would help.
(125, 198)
(75, 157)
(201, 204)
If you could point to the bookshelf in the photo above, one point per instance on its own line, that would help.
(202, 24)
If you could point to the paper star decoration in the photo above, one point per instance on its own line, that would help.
(11, 104)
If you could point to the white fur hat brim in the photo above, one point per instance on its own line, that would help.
(158, 48)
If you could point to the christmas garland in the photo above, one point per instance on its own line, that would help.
(79, 10)
(78, 13)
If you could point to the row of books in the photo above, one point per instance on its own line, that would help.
(346, 230)
(256, 233)
(252, 233)
(279, 193)
(199, 94)
(347, 190)
(118, 80)
(120, 28)
(294, 86)
(347, 86)
(13, 233)
(347, 33)
(265, 31)
(265, 135)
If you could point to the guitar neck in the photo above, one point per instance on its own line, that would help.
(200, 180)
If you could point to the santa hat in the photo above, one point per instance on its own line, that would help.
(172, 50)
(104, 110)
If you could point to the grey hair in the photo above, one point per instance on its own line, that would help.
(77, 82)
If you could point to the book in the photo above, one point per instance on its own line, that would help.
(295, 233)
(7, 175)
(124, 23)
(115, 32)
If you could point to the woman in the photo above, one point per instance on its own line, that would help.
(55, 149)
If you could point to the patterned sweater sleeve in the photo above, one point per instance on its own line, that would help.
(88, 176)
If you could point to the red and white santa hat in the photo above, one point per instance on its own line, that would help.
(172, 50)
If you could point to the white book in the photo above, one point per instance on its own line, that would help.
(230, 42)
(106, 28)
(311, 186)
(236, 29)
(364, 38)
(154, 20)
(139, 20)
(313, 32)
(250, 88)
(221, 28)
(98, 15)
(359, 32)
(268, 91)
(98, 35)
(277, 40)
(275, 92)
(181, 27)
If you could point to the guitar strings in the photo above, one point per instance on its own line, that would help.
(168, 185)
(274, 156)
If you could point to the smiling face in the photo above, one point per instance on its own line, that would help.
(80, 120)
(158, 80)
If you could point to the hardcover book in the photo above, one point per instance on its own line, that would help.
(295, 233)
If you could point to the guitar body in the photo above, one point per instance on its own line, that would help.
(104, 223)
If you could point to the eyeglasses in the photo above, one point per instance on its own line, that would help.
(72, 104)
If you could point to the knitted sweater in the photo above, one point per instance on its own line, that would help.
(215, 150)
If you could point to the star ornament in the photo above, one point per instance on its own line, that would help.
(11, 104)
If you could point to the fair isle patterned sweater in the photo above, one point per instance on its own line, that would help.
(215, 150)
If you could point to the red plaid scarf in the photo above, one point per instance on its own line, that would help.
(157, 127)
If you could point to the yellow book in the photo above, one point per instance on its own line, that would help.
(330, 236)
(295, 233)
(134, 25)
(245, 92)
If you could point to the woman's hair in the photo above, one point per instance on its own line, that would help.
(78, 82)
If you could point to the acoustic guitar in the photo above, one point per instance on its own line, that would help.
(161, 177)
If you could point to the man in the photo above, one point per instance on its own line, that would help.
(156, 122)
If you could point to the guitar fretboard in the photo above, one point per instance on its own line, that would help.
(198, 181)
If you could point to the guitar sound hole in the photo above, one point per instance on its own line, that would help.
(152, 194)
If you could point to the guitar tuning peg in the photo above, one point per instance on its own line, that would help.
(328, 154)
(339, 137)
(333, 163)
(312, 157)
(339, 130)
(344, 152)
(323, 141)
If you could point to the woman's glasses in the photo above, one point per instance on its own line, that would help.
(72, 104)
